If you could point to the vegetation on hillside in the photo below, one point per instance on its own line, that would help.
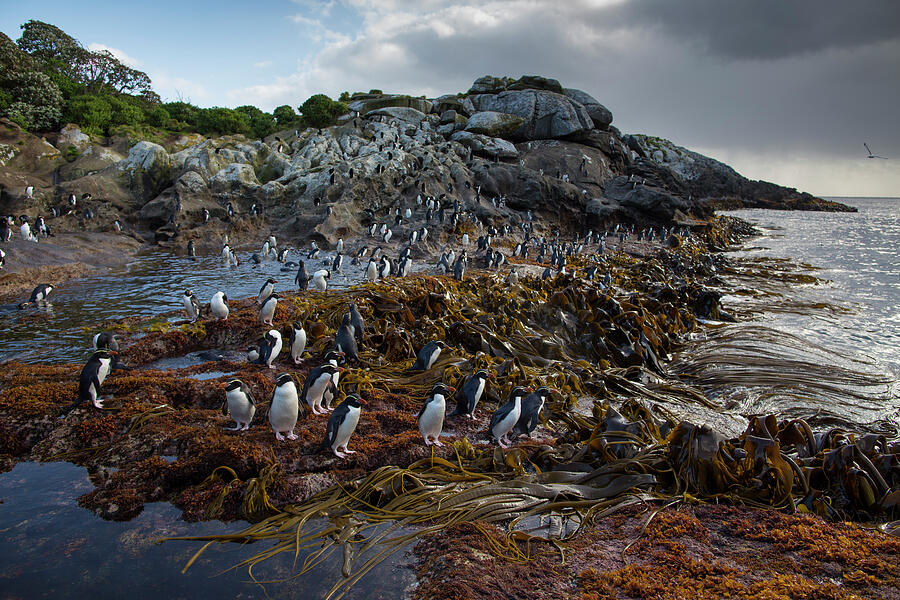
(48, 78)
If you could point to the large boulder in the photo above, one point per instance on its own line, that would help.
(601, 115)
(545, 115)
(489, 84)
(93, 160)
(536, 82)
(146, 171)
(485, 145)
(494, 124)
(366, 105)
(71, 135)
(645, 201)
(234, 179)
(407, 115)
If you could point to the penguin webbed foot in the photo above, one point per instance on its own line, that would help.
(278, 436)
(437, 442)
(292, 435)
(235, 428)
(339, 454)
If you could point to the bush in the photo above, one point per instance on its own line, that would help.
(37, 101)
(158, 117)
(94, 114)
(284, 116)
(221, 121)
(322, 111)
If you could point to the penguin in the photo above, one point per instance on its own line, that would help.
(253, 352)
(2, 258)
(338, 263)
(317, 382)
(297, 341)
(273, 348)
(428, 355)
(191, 251)
(218, 306)
(513, 278)
(356, 319)
(282, 255)
(465, 239)
(334, 358)
(240, 403)
(345, 339)
(387, 236)
(459, 268)
(302, 279)
(5, 231)
(38, 294)
(284, 408)
(470, 393)
(267, 310)
(265, 249)
(531, 410)
(105, 340)
(372, 270)
(191, 306)
(386, 266)
(505, 418)
(273, 243)
(92, 377)
(226, 252)
(340, 245)
(25, 230)
(319, 278)
(267, 289)
(29, 192)
(341, 426)
(431, 415)
(205, 215)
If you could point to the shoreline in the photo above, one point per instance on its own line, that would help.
(190, 431)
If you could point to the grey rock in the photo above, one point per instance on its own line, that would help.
(486, 145)
(366, 105)
(71, 135)
(489, 84)
(407, 115)
(462, 106)
(601, 115)
(546, 114)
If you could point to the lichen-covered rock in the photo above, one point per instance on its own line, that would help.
(93, 160)
(71, 135)
(463, 105)
(234, 178)
(494, 124)
(486, 145)
(489, 84)
(536, 82)
(601, 115)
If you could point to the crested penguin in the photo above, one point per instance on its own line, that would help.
(240, 403)
(505, 418)
(334, 358)
(105, 340)
(270, 348)
(38, 295)
(218, 306)
(345, 339)
(92, 376)
(318, 380)
(191, 306)
(341, 426)
(319, 279)
(428, 355)
(470, 393)
(2, 258)
(372, 269)
(297, 341)
(29, 192)
(267, 310)
(191, 250)
(431, 415)
(338, 263)
(513, 278)
(302, 279)
(531, 410)
(356, 319)
(226, 252)
(459, 268)
(284, 407)
(267, 289)
(386, 267)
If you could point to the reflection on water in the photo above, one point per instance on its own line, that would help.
(51, 548)
(150, 285)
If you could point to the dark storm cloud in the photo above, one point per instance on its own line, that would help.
(767, 29)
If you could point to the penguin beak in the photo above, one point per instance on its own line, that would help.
(361, 401)
(452, 389)
(341, 369)
(491, 376)
(529, 389)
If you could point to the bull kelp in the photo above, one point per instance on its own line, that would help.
(622, 431)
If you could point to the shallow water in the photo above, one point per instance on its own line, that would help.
(148, 286)
(51, 548)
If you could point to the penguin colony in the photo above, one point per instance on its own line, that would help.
(519, 415)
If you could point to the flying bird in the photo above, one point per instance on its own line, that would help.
(873, 155)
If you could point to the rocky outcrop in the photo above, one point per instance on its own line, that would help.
(546, 115)
(405, 114)
(536, 82)
(93, 160)
(490, 85)
(71, 135)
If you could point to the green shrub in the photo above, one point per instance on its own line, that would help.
(321, 111)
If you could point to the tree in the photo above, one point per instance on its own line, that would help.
(218, 120)
(261, 123)
(320, 110)
(36, 101)
(284, 115)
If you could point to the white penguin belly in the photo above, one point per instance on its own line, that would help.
(239, 406)
(346, 428)
(268, 311)
(478, 392)
(284, 410)
(299, 344)
(103, 371)
(317, 391)
(276, 350)
(431, 423)
(507, 423)
(433, 358)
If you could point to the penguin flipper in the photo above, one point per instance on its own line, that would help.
(330, 434)
(225, 407)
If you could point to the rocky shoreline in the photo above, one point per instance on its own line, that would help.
(618, 455)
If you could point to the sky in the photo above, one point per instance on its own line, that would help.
(785, 91)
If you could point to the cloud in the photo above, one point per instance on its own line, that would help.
(262, 64)
(124, 58)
